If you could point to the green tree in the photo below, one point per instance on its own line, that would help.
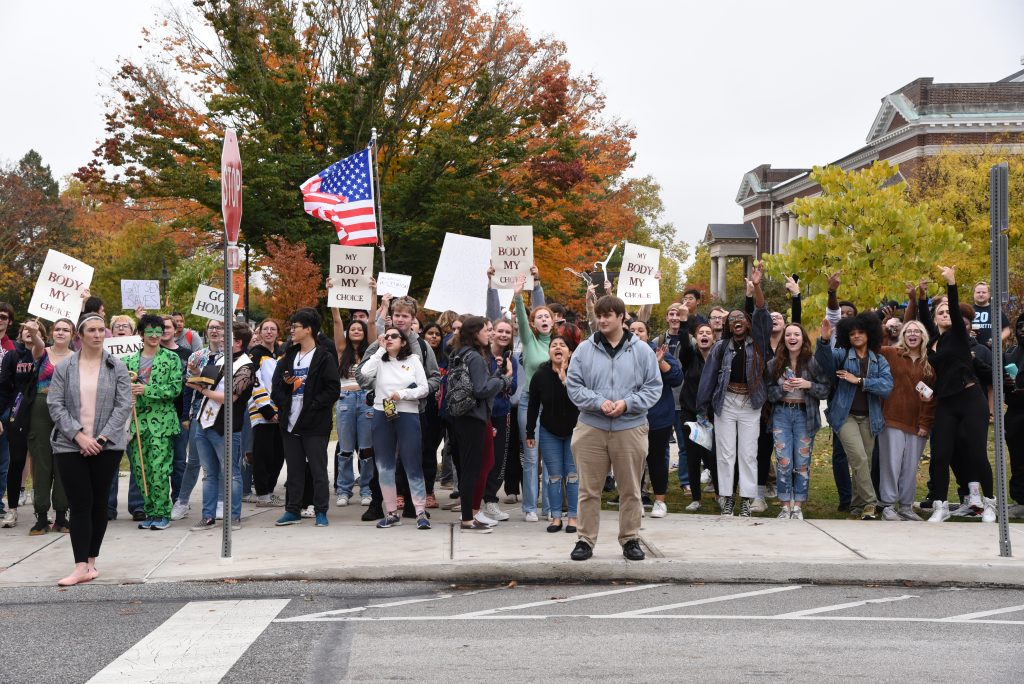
(200, 269)
(138, 251)
(872, 231)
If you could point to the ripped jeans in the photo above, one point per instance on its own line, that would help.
(793, 447)
(560, 467)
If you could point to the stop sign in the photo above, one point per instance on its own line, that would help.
(231, 186)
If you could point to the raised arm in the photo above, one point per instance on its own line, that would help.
(796, 306)
(537, 295)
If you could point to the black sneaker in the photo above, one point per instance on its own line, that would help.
(727, 504)
(609, 483)
(139, 516)
(843, 507)
(925, 504)
(372, 513)
(631, 550)
(646, 500)
(42, 526)
(582, 551)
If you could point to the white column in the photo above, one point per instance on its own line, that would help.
(794, 229)
(812, 232)
(721, 276)
(783, 232)
(714, 277)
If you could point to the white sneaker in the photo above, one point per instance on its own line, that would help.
(693, 506)
(342, 500)
(974, 497)
(758, 506)
(308, 512)
(940, 512)
(889, 513)
(531, 516)
(11, 518)
(705, 476)
(796, 513)
(989, 514)
(492, 511)
(179, 511)
(220, 510)
(251, 498)
(659, 510)
(484, 520)
(784, 514)
(365, 501)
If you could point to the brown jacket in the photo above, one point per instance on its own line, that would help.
(905, 409)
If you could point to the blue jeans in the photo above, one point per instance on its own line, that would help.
(394, 439)
(561, 468)
(684, 471)
(135, 500)
(793, 447)
(529, 459)
(210, 446)
(355, 432)
(192, 465)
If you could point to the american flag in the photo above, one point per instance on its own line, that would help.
(343, 194)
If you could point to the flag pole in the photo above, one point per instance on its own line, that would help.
(376, 197)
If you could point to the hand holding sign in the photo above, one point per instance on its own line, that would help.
(350, 271)
(59, 286)
(511, 254)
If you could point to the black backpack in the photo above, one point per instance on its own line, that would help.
(459, 394)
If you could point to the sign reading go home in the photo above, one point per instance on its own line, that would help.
(637, 281)
(511, 254)
(351, 270)
(209, 302)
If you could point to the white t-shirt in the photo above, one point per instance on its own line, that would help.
(300, 369)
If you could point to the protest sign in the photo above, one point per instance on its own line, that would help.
(637, 284)
(123, 346)
(511, 254)
(351, 270)
(136, 293)
(209, 302)
(58, 292)
(460, 279)
(394, 284)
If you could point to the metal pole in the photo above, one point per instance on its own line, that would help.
(998, 226)
(247, 317)
(229, 344)
(376, 197)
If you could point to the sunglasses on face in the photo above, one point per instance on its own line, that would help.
(153, 332)
(392, 336)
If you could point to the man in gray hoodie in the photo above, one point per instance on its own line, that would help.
(613, 379)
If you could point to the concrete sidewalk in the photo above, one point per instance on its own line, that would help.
(681, 547)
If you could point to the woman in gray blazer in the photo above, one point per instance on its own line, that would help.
(90, 402)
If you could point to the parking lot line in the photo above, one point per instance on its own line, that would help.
(548, 602)
(844, 606)
(699, 602)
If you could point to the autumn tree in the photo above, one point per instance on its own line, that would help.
(293, 279)
(871, 230)
(139, 250)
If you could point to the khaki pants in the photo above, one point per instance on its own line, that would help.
(858, 443)
(623, 452)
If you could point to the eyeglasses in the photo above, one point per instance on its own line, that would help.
(126, 326)
(392, 336)
(214, 328)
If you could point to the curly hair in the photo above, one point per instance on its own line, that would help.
(867, 323)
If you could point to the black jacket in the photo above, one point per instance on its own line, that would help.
(17, 373)
(322, 387)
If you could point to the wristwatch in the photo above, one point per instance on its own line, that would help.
(102, 440)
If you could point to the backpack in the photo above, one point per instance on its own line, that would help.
(459, 395)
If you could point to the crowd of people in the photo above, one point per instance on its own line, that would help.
(550, 408)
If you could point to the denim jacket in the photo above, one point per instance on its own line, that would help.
(820, 387)
(877, 384)
(715, 377)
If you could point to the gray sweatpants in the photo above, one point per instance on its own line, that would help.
(899, 453)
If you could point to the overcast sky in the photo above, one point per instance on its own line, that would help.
(712, 89)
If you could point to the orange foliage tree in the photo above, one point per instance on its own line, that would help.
(293, 279)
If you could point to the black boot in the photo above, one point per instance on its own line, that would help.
(42, 526)
(62, 524)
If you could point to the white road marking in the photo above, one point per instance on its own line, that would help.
(984, 613)
(671, 616)
(198, 644)
(844, 606)
(549, 602)
(699, 602)
(328, 614)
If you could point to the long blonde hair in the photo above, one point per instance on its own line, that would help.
(904, 350)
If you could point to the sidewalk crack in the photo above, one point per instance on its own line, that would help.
(655, 551)
(46, 545)
(845, 546)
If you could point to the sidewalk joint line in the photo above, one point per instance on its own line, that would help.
(451, 541)
(846, 546)
(655, 551)
(46, 545)
(168, 555)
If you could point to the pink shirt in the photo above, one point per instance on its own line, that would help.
(87, 382)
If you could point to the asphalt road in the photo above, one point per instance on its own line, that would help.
(332, 632)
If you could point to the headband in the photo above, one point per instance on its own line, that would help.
(88, 317)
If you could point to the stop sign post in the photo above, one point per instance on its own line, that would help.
(231, 205)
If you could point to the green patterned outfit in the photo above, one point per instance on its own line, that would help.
(158, 425)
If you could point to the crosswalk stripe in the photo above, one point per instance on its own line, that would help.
(700, 602)
(984, 613)
(328, 614)
(549, 602)
(844, 606)
(198, 644)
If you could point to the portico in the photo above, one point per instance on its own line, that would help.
(725, 241)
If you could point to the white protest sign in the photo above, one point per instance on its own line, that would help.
(123, 346)
(58, 292)
(394, 284)
(637, 284)
(209, 302)
(511, 254)
(460, 279)
(136, 293)
(351, 270)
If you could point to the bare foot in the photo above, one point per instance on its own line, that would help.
(78, 575)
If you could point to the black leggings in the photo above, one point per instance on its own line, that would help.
(765, 449)
(467, 435)
(506, 445)
(430, 430)
(18, 444)
(514, 460)
(87, 484)
(657, 464)
(961, 421)
(267, 457)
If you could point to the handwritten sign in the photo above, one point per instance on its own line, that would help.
(58, 292)
(511, 254)
(209, 303)
(460, 279)
(123, 346)
(637, 284)
(144, 293)
(394, 284)
(351, 270)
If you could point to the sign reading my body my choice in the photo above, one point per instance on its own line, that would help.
(637, 284)
(351, 270)
(209, 302)
(511, 254)
(58, 292)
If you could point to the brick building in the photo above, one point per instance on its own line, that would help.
(919, 120)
